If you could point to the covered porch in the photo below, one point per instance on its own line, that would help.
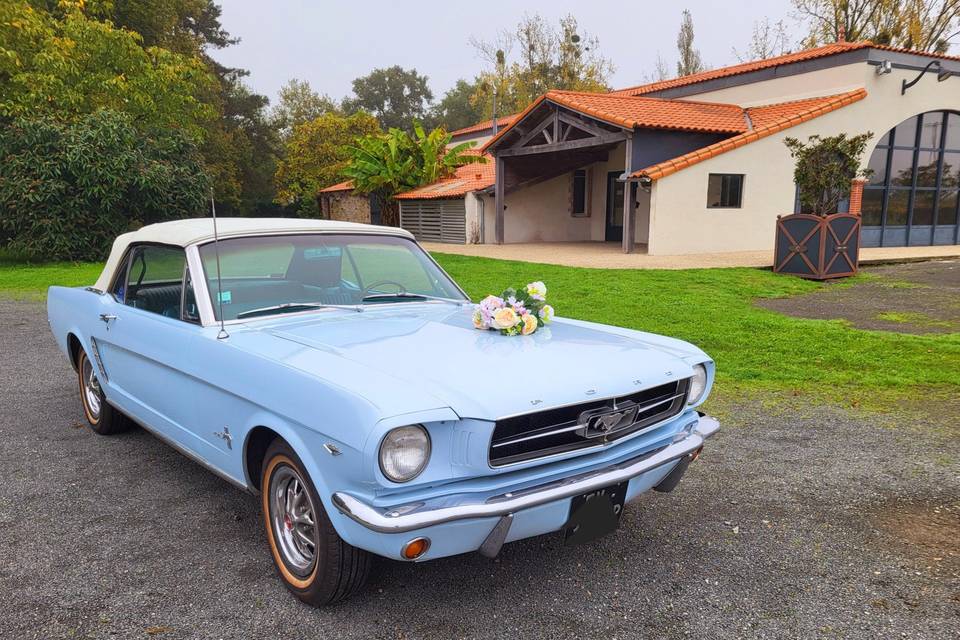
(563, 167)
(561, 176)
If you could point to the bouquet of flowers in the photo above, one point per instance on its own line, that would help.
(516, 311)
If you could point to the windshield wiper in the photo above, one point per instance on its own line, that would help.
(295, 306)
(414, 296)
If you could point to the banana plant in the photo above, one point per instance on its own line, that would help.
(388, 163)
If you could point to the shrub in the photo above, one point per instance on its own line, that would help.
(825, 167)
(68, 189)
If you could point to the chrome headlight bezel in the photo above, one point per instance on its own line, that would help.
(413, 437)
(697, 388)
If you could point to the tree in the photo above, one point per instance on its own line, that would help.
(395, 96)
(241, 150)
(825, 167)
(298, 103)
(548, 58)
(184, 26)
(67, 188)
(78, 65)
(240, 146)
(768, 41)
(924, 25)
(689, 62)
(458, 109)
(386, 164)
(661, 71)
(316, 154)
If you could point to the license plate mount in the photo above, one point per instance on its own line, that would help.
(595, 514)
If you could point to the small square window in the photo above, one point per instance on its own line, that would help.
(725, 191)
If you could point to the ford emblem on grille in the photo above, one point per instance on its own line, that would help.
(600, 422)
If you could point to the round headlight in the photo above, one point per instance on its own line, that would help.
(698, 384)
(404, 453)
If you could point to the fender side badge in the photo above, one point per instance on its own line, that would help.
(225, 436)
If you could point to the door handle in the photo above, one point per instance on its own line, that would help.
(107, 317)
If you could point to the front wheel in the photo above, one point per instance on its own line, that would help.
(314, 562)
(101, 417)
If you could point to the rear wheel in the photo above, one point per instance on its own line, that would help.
(313, 561)
(101, 417)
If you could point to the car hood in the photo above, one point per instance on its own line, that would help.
(434, 350)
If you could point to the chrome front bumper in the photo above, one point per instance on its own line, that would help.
(417, 515)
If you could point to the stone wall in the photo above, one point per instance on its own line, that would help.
(345, 206)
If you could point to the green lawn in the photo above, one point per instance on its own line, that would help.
(755, 349)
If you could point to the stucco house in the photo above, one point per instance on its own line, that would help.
(697, 164)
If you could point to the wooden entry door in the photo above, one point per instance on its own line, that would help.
(614, 232)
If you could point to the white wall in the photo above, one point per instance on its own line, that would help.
(479, 138)
(473, 212)
(784, 89)
(681, 222)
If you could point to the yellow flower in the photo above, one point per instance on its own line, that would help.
(477, 319)
(529, 324)
(537, 290)
(505, 318)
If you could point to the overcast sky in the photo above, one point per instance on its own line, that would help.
(331, 43)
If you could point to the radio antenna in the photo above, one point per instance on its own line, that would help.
(216, 250)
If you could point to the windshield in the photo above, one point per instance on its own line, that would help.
(269, 275)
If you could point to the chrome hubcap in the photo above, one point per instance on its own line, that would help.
(91, 388)
(292, 516)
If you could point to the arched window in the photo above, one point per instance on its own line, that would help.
(912, 196)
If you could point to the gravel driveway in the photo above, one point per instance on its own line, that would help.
(814, 525)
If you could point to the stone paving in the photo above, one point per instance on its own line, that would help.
(607, 255)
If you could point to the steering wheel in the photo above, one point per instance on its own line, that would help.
(367, 289)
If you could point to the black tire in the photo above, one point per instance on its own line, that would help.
(338, 570)
(102, 417)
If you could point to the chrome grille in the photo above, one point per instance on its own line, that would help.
(563, 429)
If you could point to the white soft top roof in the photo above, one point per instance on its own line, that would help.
(182, 233)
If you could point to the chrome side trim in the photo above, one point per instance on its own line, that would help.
(640, 410)
(417, 515)
(189, 454)
(96, 356)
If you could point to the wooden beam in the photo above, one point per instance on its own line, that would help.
(499, 203)
(607, 138)
(629, 198)
(530, 135)
(549, 170)
(582, 124)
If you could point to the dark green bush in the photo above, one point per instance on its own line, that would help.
(68, 189)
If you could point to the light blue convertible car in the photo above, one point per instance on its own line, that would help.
(334, 370)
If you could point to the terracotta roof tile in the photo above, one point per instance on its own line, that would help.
(631, 112)
(824, 51)
(483, 126)
(767, 120)
(657, 113)
(470, 177)
(346, 185)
